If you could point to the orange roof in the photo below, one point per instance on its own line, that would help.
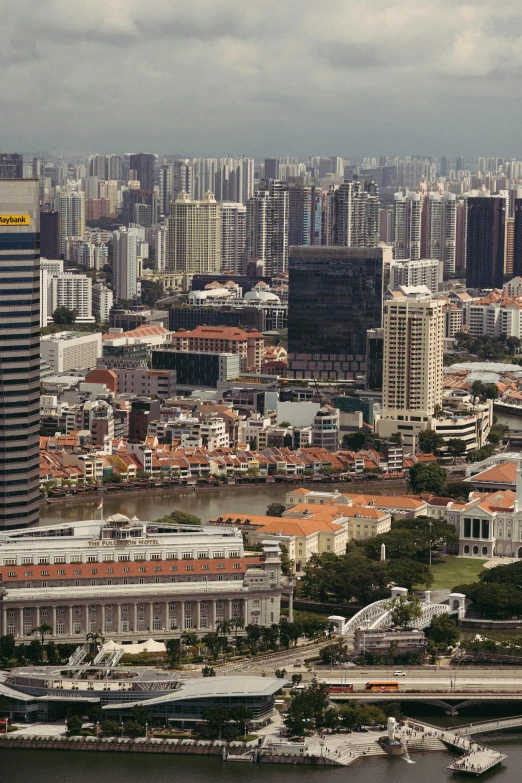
(501, 474)
(217, 333)
(140, 331)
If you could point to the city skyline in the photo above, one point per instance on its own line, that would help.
(429, 77)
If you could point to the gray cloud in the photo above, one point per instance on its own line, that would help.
(275, 76)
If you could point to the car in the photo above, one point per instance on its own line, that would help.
(398, 673)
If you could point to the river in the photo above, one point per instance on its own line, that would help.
(32, 766)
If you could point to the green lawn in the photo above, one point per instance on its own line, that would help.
(451, 571)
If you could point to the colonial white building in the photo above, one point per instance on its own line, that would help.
(131, 580)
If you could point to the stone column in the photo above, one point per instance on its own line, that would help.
(118, 618)
(182, 615)
(198, 614)
(21, 621)
(230, 609)
(214, 613)
(70, 619)
(151, 615)
(245, 611)
(4, 621)
(103, 618)
(37, 617)
(135, 619)
(55, 630)
(166, 615)
(291, 607)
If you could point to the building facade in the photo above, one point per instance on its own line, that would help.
(66, 351)
(335, 296)
(485, 241)
(133, 580)
(194, 235)
(19, 352)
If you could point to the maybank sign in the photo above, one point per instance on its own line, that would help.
(15, 220)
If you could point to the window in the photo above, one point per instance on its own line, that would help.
(11, 573)
(43, 561)
(123, 558)
(61, 572)
(77, 583)
(141, 580)
(186, 555)
(10, 561)
(125, 581)
(43, 573)
(218, 554)
(155, 556)
(76, 559)
(142, 568)
(27, 560)
(234, 554)
(93, 582)
(202, 555)
(93, 570)
(173, 568)
(109, 570)
(77, 571)
(205, 567)
(59, 559)
(77, 627)
(236, 565)
(92, 558)
(189, 568)
(28, 573)
(125, 570)
(220, 565)
(77, 610)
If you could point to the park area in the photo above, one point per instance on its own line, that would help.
(451, 571)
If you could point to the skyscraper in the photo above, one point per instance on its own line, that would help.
(335, 296)
(407, 225)
(267, 226)
(19, 352)
(144, 164)
(271, 168)
(354, 214)
(233, 237)
(125, 263)
(193, 243)
(517, 250)
(71, 207)
(412, 371)
(50, 234)
(11, 165)
(441, 229)
(485, 241)
(305, 215)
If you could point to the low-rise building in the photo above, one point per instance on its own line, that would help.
(66, 351)
(389, 643)
(250, 346)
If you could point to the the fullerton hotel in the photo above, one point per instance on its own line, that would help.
(131, 580)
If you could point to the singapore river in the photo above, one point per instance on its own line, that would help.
(32, 766)
(152, 504)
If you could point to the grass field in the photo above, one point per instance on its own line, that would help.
(451, 571)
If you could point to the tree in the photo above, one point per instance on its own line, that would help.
(133, 729)
(287, 565)
(141, 715)
(74, 725)
(189, 638)
(110, 728)
(307, 709)
(179, 518)
(236, 623)
(427, 477)
(151, 292)
(7, 647)
(34, 651)
(404, 610)
(63, 316)
(275, 510)
(284, 424)
(456, 447)
(224, 627)
(296, 679)
(43, 630)
(354, 441)
(213, 642)
(409, 573)
(443, 630)
(5, 707)
(94, 638)
(458, 490)
(430, 441)
(215, 717)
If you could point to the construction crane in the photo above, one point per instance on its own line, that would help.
(318, 397)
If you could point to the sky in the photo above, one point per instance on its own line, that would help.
(262, 77)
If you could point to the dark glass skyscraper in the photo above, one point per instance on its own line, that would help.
(143, 163)
(485, 242)
(11, 165)
(19, 352)
(335, 296)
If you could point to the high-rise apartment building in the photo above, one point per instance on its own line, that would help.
(102, 300)
(144, 164)
(11, 165)
(72, 291)
(517, 240)
(19, 352)
(271, 168)
(413, 325)
(233, 237)
(267, 226)
(407, 225)
(352, 218)
(335, 296)
(71, 207)
(426, 272)
(305, 215)
(441, 228)
(50, 234)
(194, 235)
(485, 241)
(125, 263)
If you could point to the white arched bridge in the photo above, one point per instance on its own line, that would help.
(377, 616)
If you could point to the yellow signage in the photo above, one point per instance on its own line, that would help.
(15, 220)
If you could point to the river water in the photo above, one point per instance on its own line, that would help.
(151, 504)
(32, 766)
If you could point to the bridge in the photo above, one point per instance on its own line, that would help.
(377, 615)
(451, 703)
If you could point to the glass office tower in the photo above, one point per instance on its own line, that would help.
(335, 296)
(19, 352)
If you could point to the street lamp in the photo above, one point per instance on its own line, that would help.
(430, 525)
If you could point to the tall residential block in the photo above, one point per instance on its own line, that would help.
(19, 352)
(335, 296)
(441, 228)
(413, 325)
(407, 225)
(125, 263)
(267, 226)
(486, 227)
(194, 235)
(233, 236)
(71, 207)
(353, 214)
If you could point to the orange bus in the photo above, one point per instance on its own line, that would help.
(382, 686)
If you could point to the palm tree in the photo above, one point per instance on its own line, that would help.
(235, 623)
(93, 637)
(43, 630)
(224, 627)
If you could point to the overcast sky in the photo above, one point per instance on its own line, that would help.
(262, 77)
